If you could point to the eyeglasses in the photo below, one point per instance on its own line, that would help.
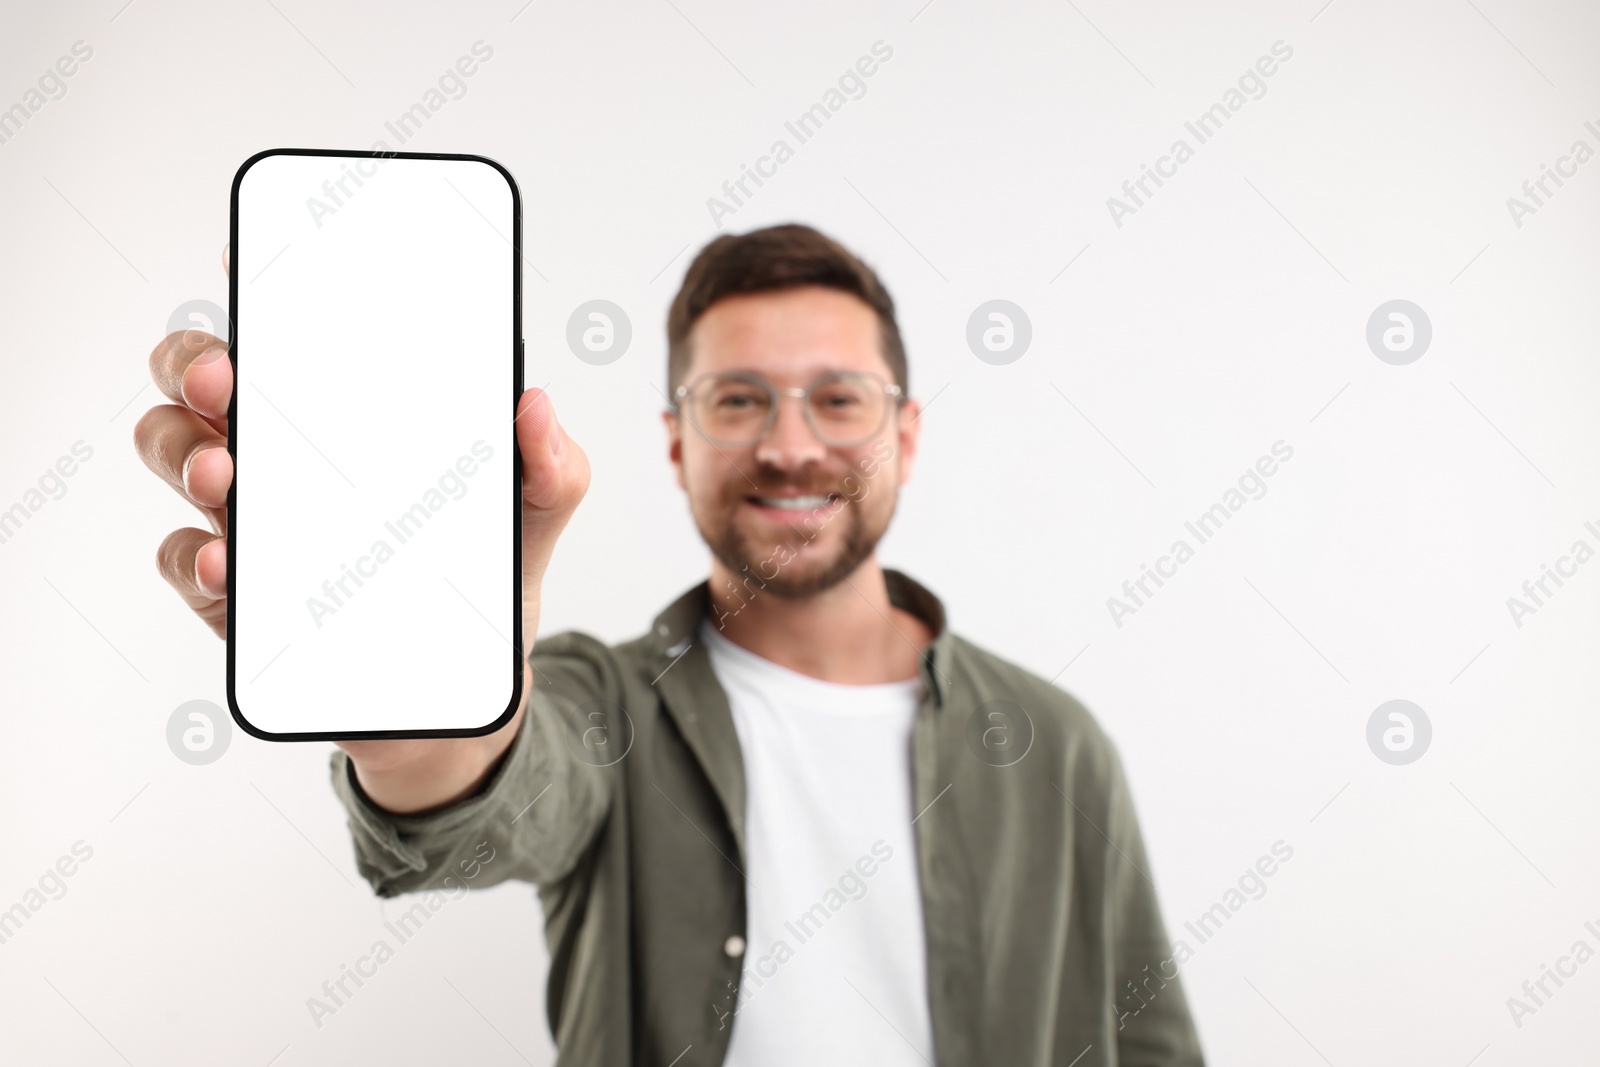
(842, 408)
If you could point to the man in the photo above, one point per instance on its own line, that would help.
(798, 821)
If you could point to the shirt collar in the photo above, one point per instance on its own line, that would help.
(673, 629)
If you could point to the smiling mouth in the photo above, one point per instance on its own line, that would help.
(794, 503)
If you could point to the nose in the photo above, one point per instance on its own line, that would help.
(790, 443)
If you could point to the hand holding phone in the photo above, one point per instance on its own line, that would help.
(184, 443)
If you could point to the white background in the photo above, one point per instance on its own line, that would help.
(1227, 314)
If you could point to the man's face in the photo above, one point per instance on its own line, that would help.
(737, 492)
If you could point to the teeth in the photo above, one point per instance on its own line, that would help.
(793, 503)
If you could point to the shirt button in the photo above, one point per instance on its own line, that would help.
(734, 946)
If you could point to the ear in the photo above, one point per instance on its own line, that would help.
(674, 445)
(908, 428)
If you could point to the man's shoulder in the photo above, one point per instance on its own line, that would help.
(564, 643)
(1057, 720)
(574, 661)
(581, 655)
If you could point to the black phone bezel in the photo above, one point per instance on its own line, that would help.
(516, 472)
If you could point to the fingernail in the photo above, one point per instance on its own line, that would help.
(188, 465)
(205, 587)
(558, 436)
(204, 359)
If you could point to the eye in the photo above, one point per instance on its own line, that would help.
(837, 399)
(735, 401)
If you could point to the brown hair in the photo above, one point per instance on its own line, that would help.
(777, 257)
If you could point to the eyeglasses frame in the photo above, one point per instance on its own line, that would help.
(891, 389)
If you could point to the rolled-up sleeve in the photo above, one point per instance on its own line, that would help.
(539, 810)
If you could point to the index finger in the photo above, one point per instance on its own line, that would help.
(192, 368)
(189, 368)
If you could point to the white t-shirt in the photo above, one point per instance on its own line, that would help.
(834, 959)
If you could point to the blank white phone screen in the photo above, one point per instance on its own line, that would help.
(373, 557)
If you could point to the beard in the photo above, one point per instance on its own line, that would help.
(791, 564)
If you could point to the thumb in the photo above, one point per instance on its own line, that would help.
(555, 477)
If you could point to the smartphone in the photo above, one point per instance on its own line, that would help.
(374, 523)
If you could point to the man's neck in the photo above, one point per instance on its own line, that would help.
(849, 634)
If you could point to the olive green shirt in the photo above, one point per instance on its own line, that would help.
(622, 799)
